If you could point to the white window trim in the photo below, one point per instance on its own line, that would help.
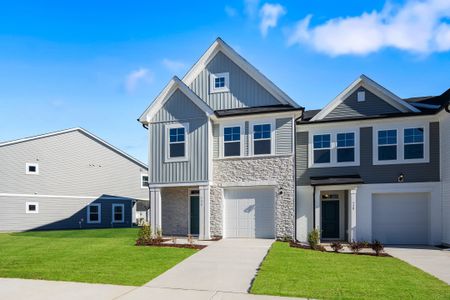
(27, 165)
(28, 211)
(333, 148)
(99, 213)
(361, 96)
(251, 140)
(413, 143)
(142, 181)
(222, 141)
(401, 143)
(345, 147)
(213, 89)
(167, 142)
(123, 212)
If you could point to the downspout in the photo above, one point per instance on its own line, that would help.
(314, 207)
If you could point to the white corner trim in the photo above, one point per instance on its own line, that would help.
(212, 86)
(122, 206)
(88, 218)
(167, 128)
(27, 168)
(373, 87)
(179, 184)
(174, 84)
(27, 207)
(251, 147)
(249, 184)
(69, 197)
(220, 45)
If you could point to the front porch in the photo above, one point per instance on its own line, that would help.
(180, 210)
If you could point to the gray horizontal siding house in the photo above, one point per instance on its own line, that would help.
(221, 151)
(369, 168)
(68, 179)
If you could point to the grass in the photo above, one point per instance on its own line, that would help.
(94, 256)
(312, 274)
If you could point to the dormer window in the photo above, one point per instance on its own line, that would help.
(361, 96)
(220, 83)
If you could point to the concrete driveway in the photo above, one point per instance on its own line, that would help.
(432, 260)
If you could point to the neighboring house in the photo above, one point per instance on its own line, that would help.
(222, 152)
(369, 168)
(68, 179)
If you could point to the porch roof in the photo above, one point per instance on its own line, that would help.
(336, 180)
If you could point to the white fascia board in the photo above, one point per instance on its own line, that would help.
(174, 84)
(220, 45)
(373, 87)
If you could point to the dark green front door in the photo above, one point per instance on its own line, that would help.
(330, 219)
(195, 215)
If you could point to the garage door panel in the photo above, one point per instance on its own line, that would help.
(400, 218)
(249, 212)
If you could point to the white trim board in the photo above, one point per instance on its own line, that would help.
(65, 196)
(371, 86)
(220, 45)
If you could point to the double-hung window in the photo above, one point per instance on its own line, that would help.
(262, 139)
(118, 213)
(177, 140)
(413, 143)
(345, 147)
(322, 148)
(232, 141)
(144, 181)
(387, 145)
(94, 213)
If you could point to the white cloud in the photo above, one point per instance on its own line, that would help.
(230, 11)
(173, 65)
(136, 77)
(417, 27)
(270, 13)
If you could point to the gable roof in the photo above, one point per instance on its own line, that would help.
(174, 84)
(82, 130)
(220, 45)
(373, 87)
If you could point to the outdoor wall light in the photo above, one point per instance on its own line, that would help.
(401, 177)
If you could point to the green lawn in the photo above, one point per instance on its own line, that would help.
(96, 256)
(304, 273)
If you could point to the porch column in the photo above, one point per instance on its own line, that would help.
(155, 208)
(204, 233)
(316, 211)
(352, 215)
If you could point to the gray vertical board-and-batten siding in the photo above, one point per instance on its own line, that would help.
(350, 107)
(244, 90)
(179, 109)
(415, 172)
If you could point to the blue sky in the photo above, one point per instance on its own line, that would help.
(99, 64)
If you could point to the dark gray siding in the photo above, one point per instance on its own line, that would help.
(244, 90)
(58, 213)
(350, 107)
(421, 172)
(181, 109)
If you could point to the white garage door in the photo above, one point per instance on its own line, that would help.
(400, 218)
(249, 213)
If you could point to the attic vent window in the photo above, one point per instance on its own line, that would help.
(220, 83)
(361, 96)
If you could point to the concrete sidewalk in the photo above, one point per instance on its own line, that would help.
(432, 260)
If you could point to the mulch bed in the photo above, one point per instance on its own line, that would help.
(163, 243)
(307, 247)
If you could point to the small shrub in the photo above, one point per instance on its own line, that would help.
(355, 247)
(364, 244)
(314, 238)
(378, 247)
(336, 246)
(320, 248)
(144, 234)
(158, 236)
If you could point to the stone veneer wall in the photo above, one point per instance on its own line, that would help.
(278, 169)
(174, 210)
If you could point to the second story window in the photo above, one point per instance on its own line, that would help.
(232, 141)
(322, 148)
(345, 147)
(144, 181)
(387, 145)
(262, 139)
(413, 143)
(219, 82)
(176, 142)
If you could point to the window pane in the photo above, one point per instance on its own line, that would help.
(414, 135)
(346, 139)
(413, 151)
(32, 207)
(232, 134)
(262, 147)
(32, 169)
(321, 156)
(176, 150)
(93, 209)
(322, 141)
(387, 152)
(346, 154)
(386, 137)
(219, 82)
(261, 131)
(232, 149)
